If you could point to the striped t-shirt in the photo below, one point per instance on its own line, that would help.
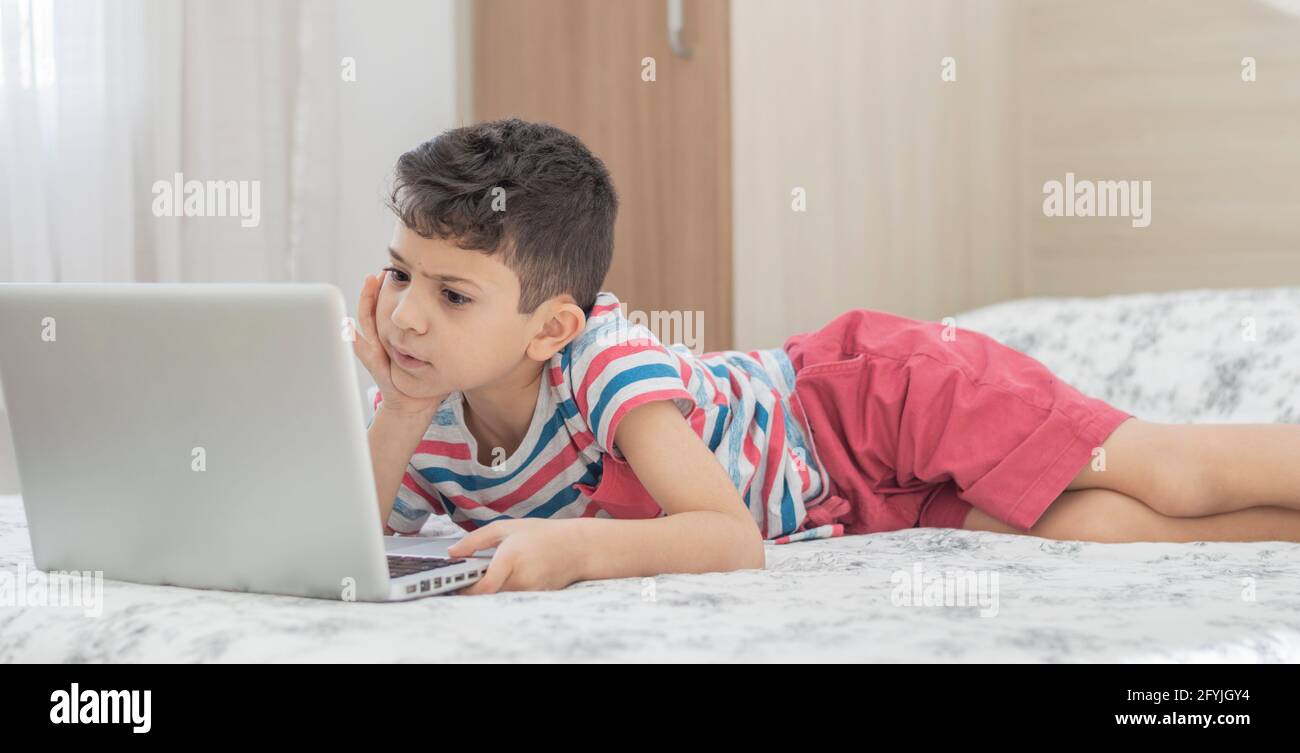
(569, 465)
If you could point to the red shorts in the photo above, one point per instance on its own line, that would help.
(915, 428)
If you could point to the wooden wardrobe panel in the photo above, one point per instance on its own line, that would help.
(667, 143)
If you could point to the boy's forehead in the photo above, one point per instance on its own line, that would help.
(438, 256)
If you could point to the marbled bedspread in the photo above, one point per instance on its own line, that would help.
(1190, 356)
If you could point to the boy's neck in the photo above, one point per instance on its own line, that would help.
(499, 414)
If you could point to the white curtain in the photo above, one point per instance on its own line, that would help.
(98, 100)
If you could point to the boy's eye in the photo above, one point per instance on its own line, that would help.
(453, 298)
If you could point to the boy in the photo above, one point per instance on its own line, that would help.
(514, 397)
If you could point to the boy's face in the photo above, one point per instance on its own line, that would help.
(466, 332)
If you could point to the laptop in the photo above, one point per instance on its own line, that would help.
(203, 435)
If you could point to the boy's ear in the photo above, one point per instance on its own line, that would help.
(564, 321)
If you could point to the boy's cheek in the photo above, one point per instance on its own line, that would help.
(383, 315)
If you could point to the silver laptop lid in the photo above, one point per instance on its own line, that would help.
(204, 435)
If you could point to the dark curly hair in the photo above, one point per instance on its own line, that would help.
(557, 230)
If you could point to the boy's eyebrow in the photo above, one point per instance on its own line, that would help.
(443, 278)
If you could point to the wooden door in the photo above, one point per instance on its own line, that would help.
(578, 64)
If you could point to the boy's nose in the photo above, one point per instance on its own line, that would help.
(408, 316)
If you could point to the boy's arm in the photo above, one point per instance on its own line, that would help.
(393, 437)
(707, 527)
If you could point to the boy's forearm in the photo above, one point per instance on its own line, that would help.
(688, 542)
(393, 438)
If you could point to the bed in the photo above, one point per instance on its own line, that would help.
(1201, 355)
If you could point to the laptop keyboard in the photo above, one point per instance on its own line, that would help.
(399, 566)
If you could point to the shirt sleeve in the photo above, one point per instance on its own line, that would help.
(413, 504)
(416, 498)
(618, 368)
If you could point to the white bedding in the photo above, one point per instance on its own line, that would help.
(1181, 356)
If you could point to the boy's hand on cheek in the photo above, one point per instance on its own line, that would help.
(370, 351)
(531, 555)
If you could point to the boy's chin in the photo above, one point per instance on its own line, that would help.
(412, 386)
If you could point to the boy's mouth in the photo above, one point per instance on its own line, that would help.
(406, 360)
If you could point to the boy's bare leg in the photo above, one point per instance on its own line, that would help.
(1109, 516)
(1194, 470)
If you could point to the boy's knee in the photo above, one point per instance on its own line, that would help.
(1164, 467)
(1184, 486)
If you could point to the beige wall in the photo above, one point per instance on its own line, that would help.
(911, 181)
(925, 198)
(1152, 90)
